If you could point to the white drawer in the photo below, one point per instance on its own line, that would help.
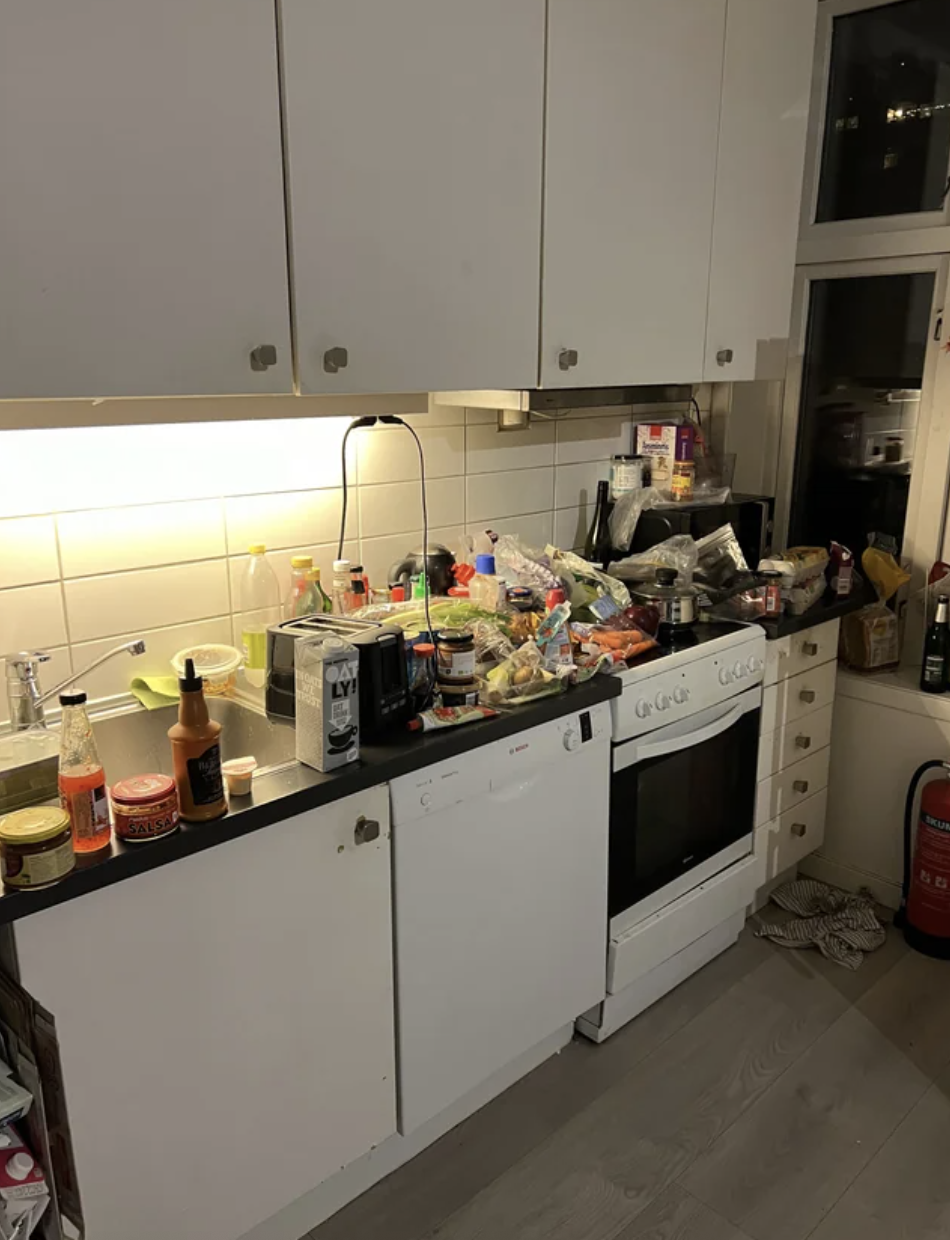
(801, 695)
(788, 788)
(785, 840)
(785, 746)
(787, 656)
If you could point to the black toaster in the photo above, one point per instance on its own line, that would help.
(383, 676)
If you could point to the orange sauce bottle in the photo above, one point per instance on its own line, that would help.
(196, 753)
(82, 781)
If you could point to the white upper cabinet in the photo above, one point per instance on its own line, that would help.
(142, 243)
(414, 146)
(633, 115)
(766, 85)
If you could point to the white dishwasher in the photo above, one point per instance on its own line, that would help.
(500, 904)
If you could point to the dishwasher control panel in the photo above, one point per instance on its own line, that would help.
(506, 763)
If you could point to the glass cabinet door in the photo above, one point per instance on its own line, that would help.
(886, 144)
(863, 367)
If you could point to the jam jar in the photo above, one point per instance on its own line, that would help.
(36, 847)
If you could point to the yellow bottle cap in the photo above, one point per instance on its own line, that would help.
(302, 561)
(314, 574)
(256, 549)
(32, 826)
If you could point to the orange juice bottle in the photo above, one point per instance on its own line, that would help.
(82, 781)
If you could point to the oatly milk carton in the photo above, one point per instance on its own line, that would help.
(326, 689)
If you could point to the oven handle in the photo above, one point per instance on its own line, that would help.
(659, 749)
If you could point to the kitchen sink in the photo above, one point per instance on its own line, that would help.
(135, 742)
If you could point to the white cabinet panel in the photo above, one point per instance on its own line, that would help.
(789, 787)
(766, 87)
(233, 1012)
(788, 745)
(142, 239)
(783, 842)
(798, 696)
(633, 114)
(415, 135)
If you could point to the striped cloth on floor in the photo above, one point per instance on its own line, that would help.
(843, 926)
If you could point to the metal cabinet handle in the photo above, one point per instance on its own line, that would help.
(264, 356)
(724, 357)
(800, 785)
(799, 829)
(810, 648)
(803, 742)
(807, 695)
(335, 360)
(367, 830)
(567, 358)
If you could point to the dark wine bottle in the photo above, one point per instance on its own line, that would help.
(598, 548)
(936, 665)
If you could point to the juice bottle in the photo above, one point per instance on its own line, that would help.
(82, 781)
(260, 607)
(303, 599)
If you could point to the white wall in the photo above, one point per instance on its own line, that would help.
(112, 532)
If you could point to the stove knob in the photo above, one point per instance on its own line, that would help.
(572, 740)
(425, 800)
(725, 676)
(662, 701)
(643, 709)
(754, 665)
(739, 670)
(680, 695)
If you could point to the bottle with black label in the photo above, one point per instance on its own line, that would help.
(936, 664)
(196, 753)
(597, 548)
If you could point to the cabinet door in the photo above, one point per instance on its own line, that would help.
(633, 114)
(142, 243)
(766, 85)
(414, 151)
(226, 1025)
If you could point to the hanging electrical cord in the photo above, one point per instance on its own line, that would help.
(355, 425)
(699, 420)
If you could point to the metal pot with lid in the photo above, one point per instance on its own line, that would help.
(675, 603)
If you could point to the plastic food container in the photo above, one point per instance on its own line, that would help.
(36, 847)
(144, 807)
(215, 664)
(238, 773)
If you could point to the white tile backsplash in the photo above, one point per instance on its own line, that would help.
(145, 600)
(165, 558)
(109, 540)
(32, 618)
(28, 551)
(511, 493)
(397, 507)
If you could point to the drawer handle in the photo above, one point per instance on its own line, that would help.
(803, 742)
(800, 785)
(367, 830)
(335, 360)
(810, 648)
(263, 356)
(567, 358)
(799, 829)
(807, 695)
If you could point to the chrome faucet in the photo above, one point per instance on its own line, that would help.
(25, 697)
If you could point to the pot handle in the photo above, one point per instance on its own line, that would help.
(400, 573)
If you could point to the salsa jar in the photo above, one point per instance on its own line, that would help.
(36, 847)
(144, 807)
(456, 655)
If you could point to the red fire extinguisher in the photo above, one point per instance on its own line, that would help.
(925, 904)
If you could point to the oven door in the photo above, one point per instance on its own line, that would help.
(682, 805)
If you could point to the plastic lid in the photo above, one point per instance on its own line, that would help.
(356, 568)
(19, 1165)
(314, 573)
(453, 637)
(256, 549)
(398, 594)
(459, 592)
(301, 561)
(485, 564)
(425, 650)
(143, 789)
(189, 681)
(74, 697)
(239, 766)
(32, 826)
(213, 661)
(341, 566)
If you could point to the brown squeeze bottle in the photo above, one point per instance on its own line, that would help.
(196, 753)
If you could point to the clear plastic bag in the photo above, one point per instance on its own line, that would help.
(579, 573)
(522, 678)
(524, 566)
(720, 558)
(626, 513)
(678, 552)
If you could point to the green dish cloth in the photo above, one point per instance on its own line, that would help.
(154, 692)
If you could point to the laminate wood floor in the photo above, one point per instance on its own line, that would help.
(772, 1096)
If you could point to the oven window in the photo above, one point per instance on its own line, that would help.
(674, 812)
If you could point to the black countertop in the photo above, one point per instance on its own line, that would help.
(293, 789)
(828, 607)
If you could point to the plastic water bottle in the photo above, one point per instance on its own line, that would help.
(260, 607)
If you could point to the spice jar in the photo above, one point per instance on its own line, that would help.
(36, 847)
(456, 655)
(145, 807)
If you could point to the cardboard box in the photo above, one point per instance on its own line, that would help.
(657, 443)
(24, 1193)
(326, 689)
